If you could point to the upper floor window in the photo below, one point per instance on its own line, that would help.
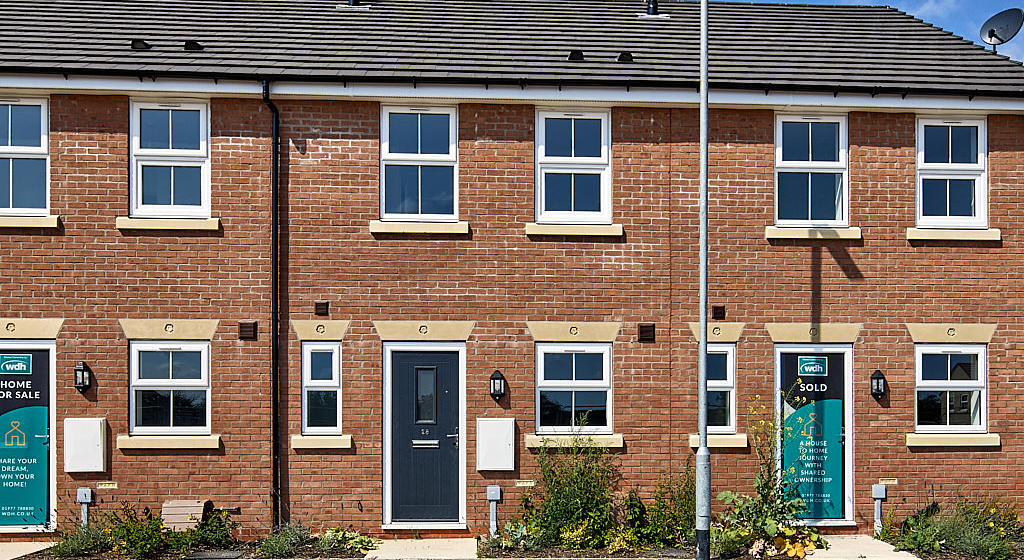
(573, 167)
(810, 171)
(950, 387)
(23, 158)
(951, 185)
(419, 154)
(170, 160)
(321, 388)
(722, 388)
(170, 388)
(574, 388)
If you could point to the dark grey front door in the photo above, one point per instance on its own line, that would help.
(425, 437)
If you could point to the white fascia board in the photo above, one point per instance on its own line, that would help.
(21, 84)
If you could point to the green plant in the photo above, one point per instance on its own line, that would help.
(216, 530)
(622, 538)
(580, 535)
(730, 542)
(283, 543)
(83, 542)
(182, 542)
(890, 529)
(671, 516)
(987, 529)
(339, 539)
(139, 536)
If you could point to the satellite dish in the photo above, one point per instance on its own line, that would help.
(1002, 27)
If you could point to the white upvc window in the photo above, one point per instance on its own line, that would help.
(170, 388)
(24, 158)
(574, 177)
(321, 388)
(811, 187)
(170, 173)
(951, 394)
(574, 391)
(952, 190)
(419, 164)
(721, 388)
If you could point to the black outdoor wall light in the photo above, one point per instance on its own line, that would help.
(878, 384)
(83, 377)
(498, 386)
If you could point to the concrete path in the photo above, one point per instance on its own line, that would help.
(855, 547)
(425, 548)
(12, 550)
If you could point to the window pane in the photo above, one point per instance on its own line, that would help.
(185, 130)
(586, 195)
(5, 124)
(555, 408)
(29, 178)
(795, 142)
(718, 367)
(154, 365)
(589, 366)
(936, 144)
(931, 408)
(557, 366)
(156, 185)
(793, 193)
(825, 141)
(591, 408)
(964, 141)
(933, 197)
(154, 129)
(963, 367)
(26, 125)
(322, 409)
(934, 367)
(401, 189)
(558, 137)
(187, 365)
(437, 189)
(964, 408)
(403, 132)
(718, 408)
(321, 366)
(587, 137)
(152, 408)
(188, 186)
(434, 138)
(426, 389)
(189, 408)
(826, 196)
(558, 192)
(961, 197)
(5, 183)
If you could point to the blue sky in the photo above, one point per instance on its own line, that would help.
(962, 17)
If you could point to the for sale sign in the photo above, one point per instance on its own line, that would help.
(24, 438)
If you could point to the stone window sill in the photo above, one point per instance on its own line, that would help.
(721, 441)
(168, 442)
(610, 230)
(953, 440)
(196, 224)
(49, 222)
(775, 232)
(449, 228)
(322, 442)
(534, 441)
(928, 234)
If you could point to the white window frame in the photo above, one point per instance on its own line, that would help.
(201, 384)
(170, 157)
(841, 166)
(966, 385)
(729, 384)
(308, 384)
(976, 171)
(565, 164)
(452, 157)
(31, 152)
(604, 384)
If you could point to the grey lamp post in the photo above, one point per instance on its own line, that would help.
(703, 474)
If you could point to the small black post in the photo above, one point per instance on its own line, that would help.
(652, 7)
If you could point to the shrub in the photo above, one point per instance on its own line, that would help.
(580, 535)
(83, 542)
(283, 543)
(622, 538)
(343, 540)
(985, 529)
(730, 542)
(216, 530)
(671, 517)
(139, 536)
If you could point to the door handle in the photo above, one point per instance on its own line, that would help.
(45, 437)
(456, 436)
(426, 444)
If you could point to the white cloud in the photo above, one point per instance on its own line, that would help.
(936, 9)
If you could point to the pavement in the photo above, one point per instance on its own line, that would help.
(12, 550)
(855, 547)
(425, 548)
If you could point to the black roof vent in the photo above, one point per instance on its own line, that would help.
(575, 56)
(140, 45)
(625, 57)
(193, 46)
(652, 7)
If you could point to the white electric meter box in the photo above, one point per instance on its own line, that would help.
(85, 445)
(495, 444)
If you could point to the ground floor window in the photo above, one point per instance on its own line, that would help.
(950, 388)
(722, 388)
(574, 388)
(321, 388)
(170, 388)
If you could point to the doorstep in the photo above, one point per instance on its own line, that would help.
(12, 550)
(858, 547)
(447, 549)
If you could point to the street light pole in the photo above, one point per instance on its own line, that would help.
(703, 474)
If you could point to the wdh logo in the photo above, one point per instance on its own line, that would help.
(16, 363)
(813, 366)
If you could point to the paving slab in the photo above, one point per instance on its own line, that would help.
(425, 548)
(858, 547)
(12, 550)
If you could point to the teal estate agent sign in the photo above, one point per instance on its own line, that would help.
(813, 419)
(24, 438)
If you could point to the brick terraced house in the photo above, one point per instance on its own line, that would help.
(276, 254)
